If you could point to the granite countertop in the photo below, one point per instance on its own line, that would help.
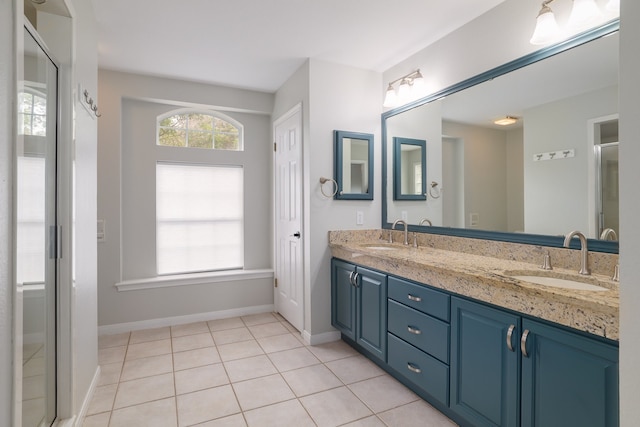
(489, 279)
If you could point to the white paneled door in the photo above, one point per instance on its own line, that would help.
(289, 290)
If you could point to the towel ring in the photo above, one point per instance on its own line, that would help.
(434, 191)
(334, 187)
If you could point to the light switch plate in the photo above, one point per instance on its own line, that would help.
(359, 218)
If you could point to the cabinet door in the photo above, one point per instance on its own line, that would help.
(371, 329)
(343, 298)
(568, 379)
(484, 370)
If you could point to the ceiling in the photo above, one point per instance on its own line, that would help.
(259, 44)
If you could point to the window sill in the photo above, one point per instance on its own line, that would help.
(192, 279)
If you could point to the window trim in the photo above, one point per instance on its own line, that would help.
(212, 113)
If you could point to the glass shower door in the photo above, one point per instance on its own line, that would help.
(36, 237)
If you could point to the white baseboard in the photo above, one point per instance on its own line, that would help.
(79, 418)
(119, 328)
(320, 338)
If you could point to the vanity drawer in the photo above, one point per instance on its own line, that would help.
(424, 371)
(419, 297)
(425, 332)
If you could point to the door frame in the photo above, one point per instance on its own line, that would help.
(297, 108)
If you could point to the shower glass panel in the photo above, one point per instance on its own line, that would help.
(37, 253)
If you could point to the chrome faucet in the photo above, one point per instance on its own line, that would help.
(425, 220)
(584, 261)
(608, 234)
(406, 231)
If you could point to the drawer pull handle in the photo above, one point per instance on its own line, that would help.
(414, 298)
(523, 343)
(413, 330)
(509, 336)
(413, 368)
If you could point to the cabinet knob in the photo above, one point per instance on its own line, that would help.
(413, 368)
(510, 336)
(523, 343)
(414, 298)
(413, 330)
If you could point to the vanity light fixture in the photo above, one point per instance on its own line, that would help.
(409, 84)
(584, 14)
(506, 121)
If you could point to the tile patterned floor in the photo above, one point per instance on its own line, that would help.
(245, 371)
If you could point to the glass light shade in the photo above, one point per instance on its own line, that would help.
(418, 82)
(584, 14)
(390, 98)
(613, 5)
(404, 91)
(547, 30)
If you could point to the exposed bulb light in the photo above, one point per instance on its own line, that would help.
(547, 29)
(583, 14)
(410, 88)
(506, 121)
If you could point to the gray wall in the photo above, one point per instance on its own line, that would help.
(126, 186)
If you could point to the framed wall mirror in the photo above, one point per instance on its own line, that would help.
(353, 167)
(409, 169)
(531, 181)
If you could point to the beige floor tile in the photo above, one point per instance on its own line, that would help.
(258, 319)
(290, 327)
(355, 368)
(30, 350)
(206, 405)
(335, 407)
(262, 392)
(148, 349)
(222, 324)
(200, 378)
(239, 350)
(289, 413)
(332, 351)
(33, 387)
(191, 342)
(194, 358)
(115, 340)
(146, 335)
(229, 336)
(33, 367)
(249, 368)
(419, 410)
(311, 379)
(189, 329)
(111, 355)
(144, 390)
(159, 413)
(236, 420)
(146, 367)
(293, 359)
(102, 400)
(98, 420)
(279, 343)
(383, 393)
(371, 421)
(268, 329)
(110, 373)
(32, 412)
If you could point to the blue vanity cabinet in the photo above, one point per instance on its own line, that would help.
(567, 379)
(485, 369)
(359, 306)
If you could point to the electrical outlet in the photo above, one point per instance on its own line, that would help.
(474, 219)
(404, 216)
(359, 218)
(102, 235)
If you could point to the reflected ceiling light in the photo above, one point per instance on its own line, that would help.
(584, 14)
(506, 121)
(410, 85)
(38, 1)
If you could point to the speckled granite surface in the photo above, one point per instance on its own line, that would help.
(481, 269)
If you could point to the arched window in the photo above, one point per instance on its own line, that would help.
(197, 129)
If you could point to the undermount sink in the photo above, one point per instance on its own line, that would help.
(381, 247)
(557, 282)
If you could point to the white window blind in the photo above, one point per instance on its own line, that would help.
(199, 218)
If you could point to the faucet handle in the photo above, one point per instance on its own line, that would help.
(616, 273)
(415, 240)
(546, 262)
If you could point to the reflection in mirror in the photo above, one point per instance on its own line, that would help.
(354, 165)
(409, 169)
(552, 171)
